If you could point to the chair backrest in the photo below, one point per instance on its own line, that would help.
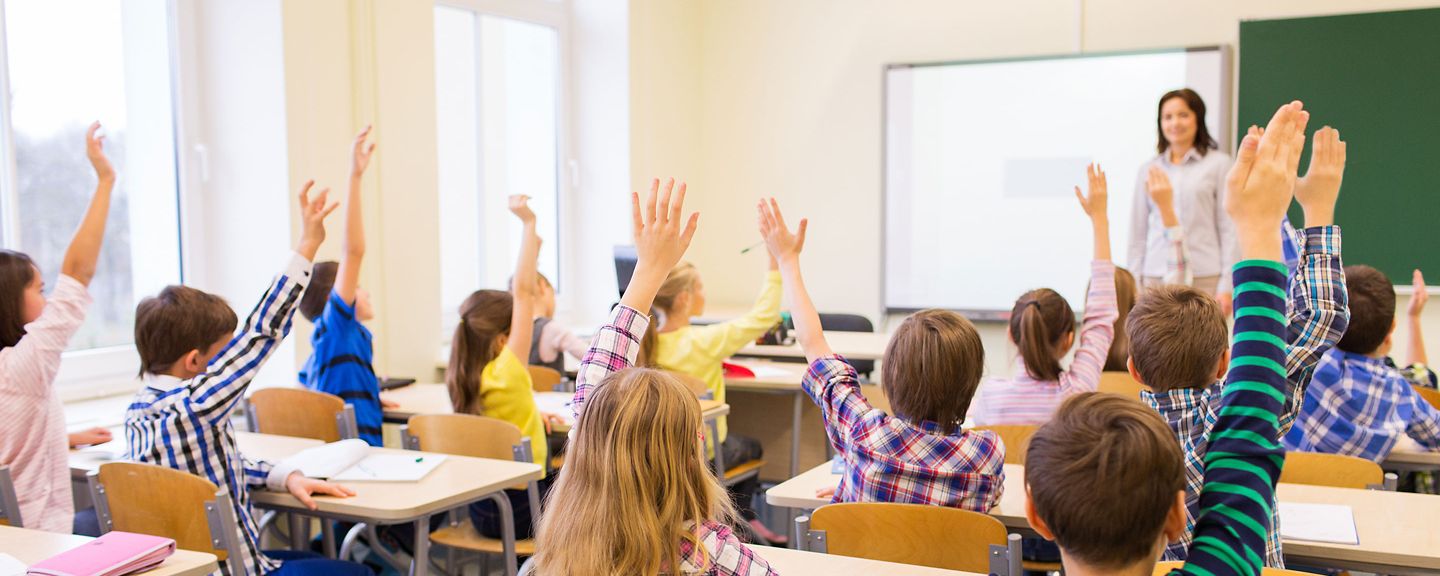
(1332, 470)
(468, 435)
(1121, 383)
(299, 412)
(1016, 438)
(159, 501)
(696, 385)
(934, 536)
(1163, 568)
(1430, 395)
(9, 500)
(544, 378)
(839, 322)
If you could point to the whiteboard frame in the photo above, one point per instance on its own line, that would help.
(1225, 120)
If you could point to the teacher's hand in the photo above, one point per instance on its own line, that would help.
(1163, 195)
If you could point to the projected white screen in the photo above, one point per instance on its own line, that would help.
(981, 161)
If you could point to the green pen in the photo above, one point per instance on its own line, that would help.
(753, 246)
(420, 459)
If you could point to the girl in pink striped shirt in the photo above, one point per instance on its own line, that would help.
(1042, 326)
(33, 334)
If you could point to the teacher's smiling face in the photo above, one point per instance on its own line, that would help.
(1178, 122)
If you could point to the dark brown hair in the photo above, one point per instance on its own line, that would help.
(1203, 141)
(1125, 290)
(1103, 474)
(680, 280)
(179, 319)
(17, 271)
(1040, 319)
(317, 294)
(1372, 309)
(932, 367)
(484, 318)
(1177, 337)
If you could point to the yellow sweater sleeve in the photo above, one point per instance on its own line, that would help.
(721, 341)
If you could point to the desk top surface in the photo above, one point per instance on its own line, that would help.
(34, 546)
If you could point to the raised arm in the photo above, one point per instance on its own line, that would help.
(1245, 455)
(1419, 295)
(785, 247)
(1162, 195)
(229, 374)
(1101, 309)
(1318, 309)
(661, 238)
(522, 315)
(84, 250)
(353, 247)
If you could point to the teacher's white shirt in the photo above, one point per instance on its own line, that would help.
(1199, 185)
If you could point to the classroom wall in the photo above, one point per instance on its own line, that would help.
(752, 97)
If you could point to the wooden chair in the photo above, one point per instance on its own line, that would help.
(9, 500)
(1163, 568)
(934, 536)
(1016, 438)
(1121, 383)
(696, 385)
(1431, 395)
(301, 413)
(544, 379)
(477, 437)
(158, 501)
(1332, 470)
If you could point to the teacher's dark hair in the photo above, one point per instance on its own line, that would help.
(1203, 141)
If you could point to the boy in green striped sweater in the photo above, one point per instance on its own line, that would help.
(1105, 478)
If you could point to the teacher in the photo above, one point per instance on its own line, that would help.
(1187, 176)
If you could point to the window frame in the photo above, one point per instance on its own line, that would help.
(107, 370)
(555, 14)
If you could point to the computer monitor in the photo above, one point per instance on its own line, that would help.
(625, 258)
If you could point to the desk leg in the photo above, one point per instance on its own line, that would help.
(327, 537)
(297, 532)
(420, 564)
(795, 433)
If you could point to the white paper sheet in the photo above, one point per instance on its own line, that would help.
(1318, 523)
(391, 468)
(11, 566)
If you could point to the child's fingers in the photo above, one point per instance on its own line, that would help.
(635, 213)
(779, 216)
(329, 210)
(1079, 197)
(1279, 128)
(305, 194)
(677, 205)
(304, 497)
(800, 235)
(662, 208)
(650, 200)
(689, 231)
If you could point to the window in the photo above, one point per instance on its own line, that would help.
(498, 87)
(67, 64)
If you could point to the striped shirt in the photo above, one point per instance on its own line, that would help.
(1245, 456)
(891, 459)
(32, 422)
(341, 364)
(185, 424)
(613, 349)
(1361, 406)
(1316, 319)
(1023, 399)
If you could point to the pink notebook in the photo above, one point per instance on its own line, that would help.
(113, 554)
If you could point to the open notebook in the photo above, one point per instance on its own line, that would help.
(1318, 523)
(354, 461)
(113, 554)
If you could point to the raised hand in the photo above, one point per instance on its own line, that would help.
(520, 207)
(662, 235)
(360, 153)
(95, 151)
(1157, 185)
(312, 216)
(1419, 297)
(784, 245)
(1320, 187)
(1095, 203)
(1260, 184)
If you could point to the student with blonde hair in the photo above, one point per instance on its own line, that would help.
(637, 495)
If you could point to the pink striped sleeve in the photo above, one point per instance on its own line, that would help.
(30, 366)
(1097, 332)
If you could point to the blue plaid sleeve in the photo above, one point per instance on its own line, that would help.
(1319, 312)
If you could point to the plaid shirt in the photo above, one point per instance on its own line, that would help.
(890, 459)
(1361, 406)
(185, 424)
(614, 349)
(1317, 317)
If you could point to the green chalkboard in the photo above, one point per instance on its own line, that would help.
(1376, 78)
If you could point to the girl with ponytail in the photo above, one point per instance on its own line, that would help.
(1042, 327)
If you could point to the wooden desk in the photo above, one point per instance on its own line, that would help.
(852, 345)
(33, 546)
(1396, 530)
(778, 378)
(435, 399)
(786, 561)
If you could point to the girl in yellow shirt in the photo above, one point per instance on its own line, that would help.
(672, 343)
(487, 376)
